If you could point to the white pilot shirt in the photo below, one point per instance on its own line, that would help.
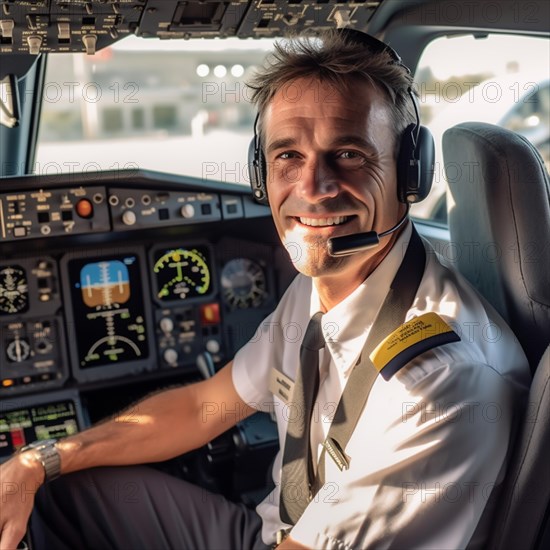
(430, 444)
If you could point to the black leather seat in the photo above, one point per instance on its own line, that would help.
(499, 218)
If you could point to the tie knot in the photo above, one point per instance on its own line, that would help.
(313, 338)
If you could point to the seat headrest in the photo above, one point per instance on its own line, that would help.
(499, 217)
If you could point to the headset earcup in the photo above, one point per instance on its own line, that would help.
(257, 172)
(426, 157)
(415, 165)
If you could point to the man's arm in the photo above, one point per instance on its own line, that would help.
(158, 428)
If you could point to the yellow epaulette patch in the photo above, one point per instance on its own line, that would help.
(416, 336)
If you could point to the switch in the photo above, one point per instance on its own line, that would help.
(32, 22)
(64, 32)
(90, 41)
(210, 314)
(19, 231)
(206, 209)
(34, 42)
(84, 208)
(6, 26)
(164, 214)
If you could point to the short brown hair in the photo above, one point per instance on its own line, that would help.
(332, 57)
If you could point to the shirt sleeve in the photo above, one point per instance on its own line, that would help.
(251, 367)
(423, 464)
(269, 346)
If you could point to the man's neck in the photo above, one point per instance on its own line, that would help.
(333, 289)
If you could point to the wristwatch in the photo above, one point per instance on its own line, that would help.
(48, 455)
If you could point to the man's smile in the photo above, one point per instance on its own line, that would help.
(323, 222)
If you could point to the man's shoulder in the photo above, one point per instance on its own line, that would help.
(484, 339)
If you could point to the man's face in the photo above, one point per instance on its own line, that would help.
(331, 171)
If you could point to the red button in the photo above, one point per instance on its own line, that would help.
(210, 314)
(84, 208)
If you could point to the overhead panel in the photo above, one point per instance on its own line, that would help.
(46, 26)
(40, 26)
(269, 18)
(208, 18)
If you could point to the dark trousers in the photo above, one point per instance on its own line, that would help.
(132, 508)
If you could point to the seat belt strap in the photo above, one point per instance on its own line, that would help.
(398, 301)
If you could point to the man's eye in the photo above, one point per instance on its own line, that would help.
(350, 155)
(287, 155)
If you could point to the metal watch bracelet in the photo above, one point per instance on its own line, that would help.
(49, 457)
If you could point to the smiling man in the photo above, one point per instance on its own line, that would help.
(332, 172)
(394, 417)
(406, 457)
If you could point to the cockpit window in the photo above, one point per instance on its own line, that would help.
(176, 106)
(499, 79)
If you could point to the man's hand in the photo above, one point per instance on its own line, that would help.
(20, 479)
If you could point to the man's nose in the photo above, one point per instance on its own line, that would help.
(318, 180)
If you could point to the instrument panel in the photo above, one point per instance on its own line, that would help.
(106, 299)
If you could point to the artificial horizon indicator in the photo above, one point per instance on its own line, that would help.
(108, 310)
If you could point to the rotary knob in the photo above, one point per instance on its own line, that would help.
(18, 350)
(166, 324)
(170, 355)
(187, 211)
(129, 217)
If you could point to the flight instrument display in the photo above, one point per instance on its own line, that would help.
(14, 297)
(182, 273)
(109, 317)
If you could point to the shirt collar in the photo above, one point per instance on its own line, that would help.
(347, 325)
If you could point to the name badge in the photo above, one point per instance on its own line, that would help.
(280, 385)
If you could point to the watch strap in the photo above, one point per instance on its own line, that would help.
(51, 460)
(48, 455)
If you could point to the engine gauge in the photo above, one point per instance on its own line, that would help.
(182, 273)
(243, 283)
(14, 295)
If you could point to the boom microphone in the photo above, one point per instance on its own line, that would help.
(358, 242)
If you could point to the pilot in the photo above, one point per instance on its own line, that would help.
(395, 387)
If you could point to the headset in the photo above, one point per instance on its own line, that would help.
(415, 160)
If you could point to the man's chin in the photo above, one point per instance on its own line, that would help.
(318, 266)
(312, 258)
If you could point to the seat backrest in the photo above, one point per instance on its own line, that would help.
(500, 222)
(499, 217)
(522, 519)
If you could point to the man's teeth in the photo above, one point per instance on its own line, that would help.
(317, 222)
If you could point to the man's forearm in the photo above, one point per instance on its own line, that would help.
(157, 428)
(160, 427)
